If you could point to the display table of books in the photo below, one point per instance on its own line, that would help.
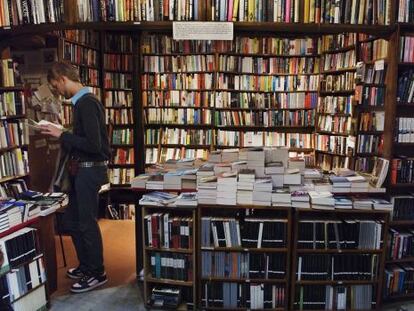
(28, 275)
(241, 215)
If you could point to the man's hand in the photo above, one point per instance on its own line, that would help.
(51, 130)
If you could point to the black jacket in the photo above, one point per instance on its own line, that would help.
(89, 140)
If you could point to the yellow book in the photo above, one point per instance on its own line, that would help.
(306, 11)
(251, 10)
(235, 10)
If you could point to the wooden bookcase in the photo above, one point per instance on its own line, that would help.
(189, 285)
(241, 214)
(332, 216)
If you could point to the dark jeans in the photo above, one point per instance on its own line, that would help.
(80, 219)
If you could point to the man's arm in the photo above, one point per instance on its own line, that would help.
(91, 143)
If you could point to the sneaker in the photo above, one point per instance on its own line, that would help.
(75, 273)
(88, 283)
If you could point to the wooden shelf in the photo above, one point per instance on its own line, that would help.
(94, 67)
(241, 280)
(339, 251)
(6, 179)
(286, 128)
(242, 309)
(119, 71)
(259, 109)
(177, 72)
(332, 153)
(266, 74)
(332, 133)
(402, 186)
(257, 91)
(177, 107)
(268, 55)
(188, 146)
(18, 227)
(337, 114)
(394, 223)
(400, 296)
(117, 89)
(332, 93)
(169, 282)
(187, 126)
(406, 64)
(401, 260)
(339, 70)
(169, 250)
(330, 282)
(339, 50)
(370, 132)
(20, 116)
(244, 249)
(397, 144)
(80, 43)
(11, 89)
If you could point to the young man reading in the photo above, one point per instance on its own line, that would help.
(88, 146)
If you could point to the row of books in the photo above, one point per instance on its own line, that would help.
(245, 233)
(371, 73)
(403, 207)
(121, 62)
(268, 65)
(115, 42)
(401, 244)
(338, 82)
(405, 11)
(399, 279)
(243, 295)
(164, 44)
(79, 54)
(177, 116)
(243, 265)
(287, 11)
(373, 50)
(320, 297)
(226, 81)
(123, 156)
(173, 266)
(12, 104)
(339, 60)
(178, 63)
(402, 170)
(405, 90)
(174, 136)
(340, 234)
(406, 49)
(163, 230)
(121, 211)
(298, 118)
(404, 130)
(122, 136)
(340, 145)
(153, 155)
(89, 76)
(121, 176)
(332, 43)
(371, 121)
(335, 124)
(28, 12)
(22, 280)
(14, 163)
(370, 95)
(8, 73)
(13, 134)
(117, 80)
(370, 144)
(118, 99)
(84, 36)
(177, 81)
(336, 105)
(180, 98)
(119, 116)
(337, 267)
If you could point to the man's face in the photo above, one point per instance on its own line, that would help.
(59, 86)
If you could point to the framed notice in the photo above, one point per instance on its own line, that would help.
(203, 31)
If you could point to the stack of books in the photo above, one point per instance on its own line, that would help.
(227, 189)
(245, 186)
(281, 197)
(322, 200)
(207, 190)
(262, 192)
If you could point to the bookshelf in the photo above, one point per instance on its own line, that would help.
(371, 92)
(334, 141)
(325, 256)
(118, 86)
(245, 279)
(169, 252)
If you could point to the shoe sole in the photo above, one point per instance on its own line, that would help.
(83, 290)
(73, 277)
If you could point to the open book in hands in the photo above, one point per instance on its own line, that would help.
(38, 125)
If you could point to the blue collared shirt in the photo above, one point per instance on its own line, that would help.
(79, 94)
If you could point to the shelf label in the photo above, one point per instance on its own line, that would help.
(203, 31)
(379, 64)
